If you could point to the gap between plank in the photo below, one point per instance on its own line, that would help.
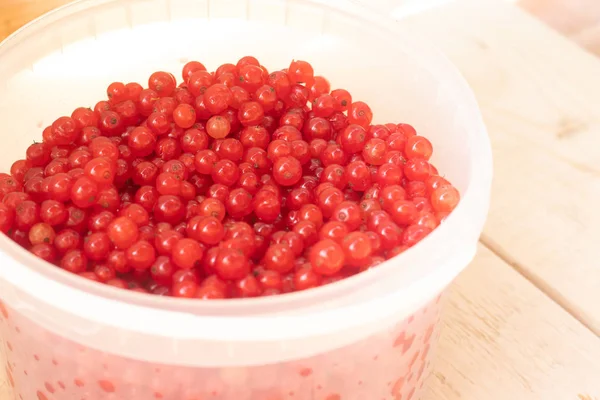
(539, 283)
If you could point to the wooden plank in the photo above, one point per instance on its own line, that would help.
(16, 13)
(504, 339)
(540, 96)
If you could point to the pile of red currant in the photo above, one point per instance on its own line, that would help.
(234, 183)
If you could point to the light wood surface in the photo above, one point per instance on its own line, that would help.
(503, 339)
(16, 13)
(577, 19)
(523, 320)
(540, 96)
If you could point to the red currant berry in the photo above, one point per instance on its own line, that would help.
(287, 171)
(231, 264)
(357, 249)
(187, 253)
(326, 257)
(96, 246)
(123, 232)
(279, 258)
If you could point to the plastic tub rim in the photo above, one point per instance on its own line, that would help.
(197, 315)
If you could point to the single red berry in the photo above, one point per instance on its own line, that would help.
(184, 116)
(140, 255)
(27, 214)
(357, 248)
(123, 232)
(414, 234)
(254, 136)
(389, 195)
(403, 212)
(266, 96)
(162, 270)
(96, 246)
(187, 253)
(417, 169)
(231, 264)
(101, 170)
(231, 149)
(406, 129)
(342, 98)
(84, 192)
(85, 118)
(65, 131)
(329, 199)
(349, 213)
(38, 154)
(53, 212)
(169, 208)
(239, 203)
(445, 198)
(157, 123)
(218, 127)
(251, 113)
(117, 261)
(317, 128)
(185, 289)
(141, 141)
(326, 257)
(287, 133)
(300, 72)
(280, 258)
(163, 83)
(168, 184)
(66, 240)
(99, 221)
(74, 261)
(333, 154)
(247, 287)
(44, 251)
(212, 208)
(104, 273)
(266, 206)
(360, 113)
(225, 172)
(335, 174)
(41, 233)
(205, 229)
(279, 148)
(389, 233)
(287, 171)
(251, 77)
(306, 278)
(324, 105)
(190, 67)
(7, 218)
(219, 192)
(205, 161)
(334, 230)
(418, 147)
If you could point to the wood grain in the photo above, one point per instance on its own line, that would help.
(579, 20)
(504, 339)
(16, 13)
(540, 97)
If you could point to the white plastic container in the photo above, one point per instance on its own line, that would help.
(367, 337)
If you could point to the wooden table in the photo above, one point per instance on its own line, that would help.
(523, 321)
